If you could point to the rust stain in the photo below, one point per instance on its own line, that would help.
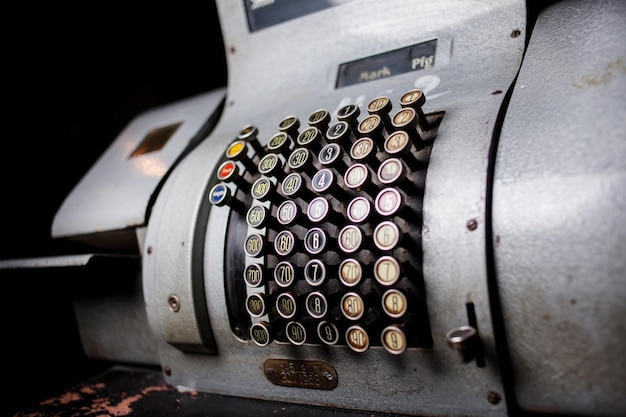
(604, 76)
(88, 401)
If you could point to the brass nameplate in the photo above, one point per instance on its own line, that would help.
(301, 374)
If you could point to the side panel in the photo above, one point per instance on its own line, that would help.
(559, 209)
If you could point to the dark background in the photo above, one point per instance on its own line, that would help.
(72, 80)
(75, 79)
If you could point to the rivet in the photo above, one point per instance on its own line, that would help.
(173, 302)
(493, 397)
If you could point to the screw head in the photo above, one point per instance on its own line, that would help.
(173, 302)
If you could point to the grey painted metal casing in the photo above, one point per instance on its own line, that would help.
(114, 197)
(559, 210)
(289, 69)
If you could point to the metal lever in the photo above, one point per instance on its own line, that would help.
(463, 339)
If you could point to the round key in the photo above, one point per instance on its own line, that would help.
(350, 238)
(358, 178)
(316, 305)
(318, 210)
(415, 99)
(263, 189)
(393, 339)
(254, 245)
(271, 166)
(289, 125)
(372, 126)
(386, 235)
(357, 338)
(301, 160)
(296, 333)
(228, 171)
(339, 133)
(294, 186)
(392, 171)
(253, 275)
(352, 306)
(350, 272)
(261, 333)
(328, 333)
(381, 106)
(280, 143)
(387, 270)
(255, 305)
(286, 305)
(284, 274)
(349, 114)
(315, 272)
(364, 150)
(394, 303)
(250, 134)
(288, 213)
(359, 210)
(320, 119)
(406, 121)
(310, 138)
(238, 151)
(399, 145)
(331, 155)
(388, 202)
(315, 241)
(258, 216)
(220, 195)
(285, 243)
(325, 182)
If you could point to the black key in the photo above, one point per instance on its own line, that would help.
(310, 138)
(261, 333)
(319, 119)
(315, 272)
(263, 189)
(289, 125)
(288, 213)
(250, 135)
(256, 304)
(284, 274)
(271, 166)
(296, 333)
(280, 144)
(349, 114)
(325, 182)
(285, 243)
(331, 156)
(286, 305)
(293, 185)
(316, 304)
(253, 275)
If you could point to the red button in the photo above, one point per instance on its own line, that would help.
(226, 169)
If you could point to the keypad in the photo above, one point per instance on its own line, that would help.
(332, 213)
